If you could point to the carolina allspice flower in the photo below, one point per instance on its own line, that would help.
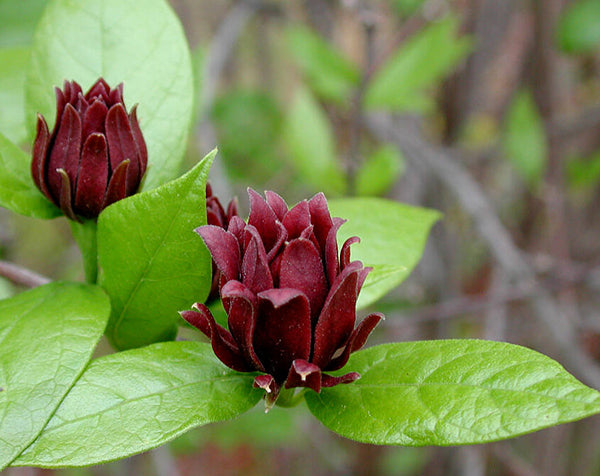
(289, 297)
(96, 153)
(217, 216)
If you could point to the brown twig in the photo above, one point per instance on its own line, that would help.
(22, 276)
(407, 136)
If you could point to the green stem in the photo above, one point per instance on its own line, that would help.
(290, 397)
(85, 236)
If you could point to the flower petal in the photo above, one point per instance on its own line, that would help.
(65, 195)
(330, 252)
(93, 120)
(264, 219)
(283, 332)
(241, 305)
(304, 374)
(122, 145)
(40, 155)
(345, 253)
(117, 189)
(329, 381)
(301, 268)
(297, 220)
(224, 249)
(357, 340)
(139, 138)
(277, 204)
(255, 271)
(320, 218)
(222, 342)
(271, 387)
(92, 179)
(336, 322)
(65, 151)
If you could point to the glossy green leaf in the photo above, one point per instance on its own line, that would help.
(420, 63)
(140, 43)
(453, 392)
(132, 401)
(579, 27)
(379, 172)
(393, 237)
(311, 144)
(152, 262)
(525, 138)
(13, 65)
(47, 336)
(17, 189)
(329, 74)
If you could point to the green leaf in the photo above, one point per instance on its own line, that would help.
(311, 144)
(18, 20)
(329, 74)
(453, 392)
(47, 336)
(248, 124)
(132, 401)
(379, 172)
(152, 262)
(584, 173)
(579, 27)
(525, 138)
(17, 190)
(139, 43)
(392, 239)
(13, 66)
(425, 59)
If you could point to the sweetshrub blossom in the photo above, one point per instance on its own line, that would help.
(96, 153)
(217, 216)
(290, 297)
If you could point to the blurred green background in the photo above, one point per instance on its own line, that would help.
(450, 104)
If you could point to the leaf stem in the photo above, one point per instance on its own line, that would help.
(85, 236)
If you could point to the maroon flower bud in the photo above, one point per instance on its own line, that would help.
(96, 153)
(290, 297)
(216, 215)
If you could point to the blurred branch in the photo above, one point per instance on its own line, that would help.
(405, 134)
(22, 276)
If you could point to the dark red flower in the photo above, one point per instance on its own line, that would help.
(217, 216)
(94, 156)
(290, 297)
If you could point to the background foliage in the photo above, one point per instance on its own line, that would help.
(498, 105)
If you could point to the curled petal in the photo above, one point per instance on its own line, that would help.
(40, 151)
(92, 179)
(116, 189)
(65, 150)
(223, 344)
(332, 264)
(320, 218)
(241, 306)
(139, 139)
(329, 381)
(99, 89)
(345, 253)
(304, 374)
(283, 330)
(236, 228)
(65, 194)
(60, 106)
(271, 388)
(224, 248)
(357, 340)
(338, 316)
(122, 145)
